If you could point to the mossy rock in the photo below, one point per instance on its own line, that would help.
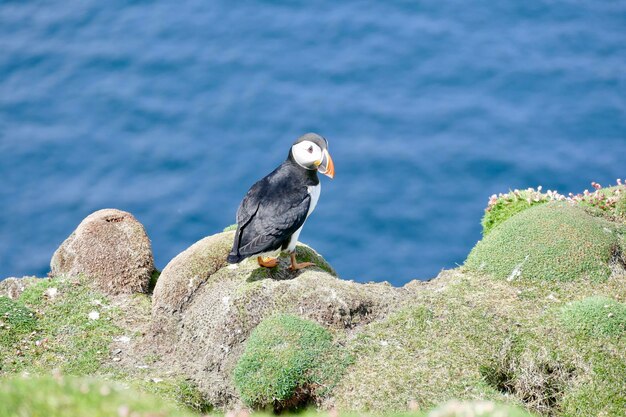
(65, 396)
(595, 316)
(204, 308)
(286, 359)
(552, 241)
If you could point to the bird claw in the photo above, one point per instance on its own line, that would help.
(296, 266)
(267, 262)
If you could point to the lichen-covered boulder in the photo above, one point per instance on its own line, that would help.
(204, 310)
(112, 248)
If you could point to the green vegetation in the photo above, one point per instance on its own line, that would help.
(609, 203)
(507, 205)
(232, 227)
(286, 360)
(550, 242)
(180, 391)
(75, 328)
(477, 409)
(430, 351)
(66, 396)
(595, 316)
(534, 322)
(154, 277)
(15, 321)
(306, 254)
(472, 336)
(71, 332)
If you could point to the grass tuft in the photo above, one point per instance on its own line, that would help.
(286, 360)
(16, 320)
(595, 316)
(15, 316)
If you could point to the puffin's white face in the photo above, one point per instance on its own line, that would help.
(310, 156)
(306, 153)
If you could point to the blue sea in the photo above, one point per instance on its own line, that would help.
(172, 110)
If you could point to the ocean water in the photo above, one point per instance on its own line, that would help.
(171, 110)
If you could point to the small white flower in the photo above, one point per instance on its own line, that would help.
(94, 315)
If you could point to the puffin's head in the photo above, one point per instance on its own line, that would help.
(310, 151)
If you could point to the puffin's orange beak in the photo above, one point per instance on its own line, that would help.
(327, 167)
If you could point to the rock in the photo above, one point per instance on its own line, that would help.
(204, 310)
(111, 247)
(14, 287)
(182, 276)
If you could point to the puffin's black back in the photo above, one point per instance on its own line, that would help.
(272, 210)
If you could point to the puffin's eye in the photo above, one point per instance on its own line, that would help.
(310, 150)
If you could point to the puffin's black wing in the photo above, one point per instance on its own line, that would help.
(269, 214)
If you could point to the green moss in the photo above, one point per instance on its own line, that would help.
(65, 337)
(306, 254)
(422, 355)
(507, 205)
(595, 316)
(154, 277)
(15, 316)
(557, 365)
(61, 397)
(549, 242)
(286, 359)
(15, 321)
(230, 228)
(604, 392)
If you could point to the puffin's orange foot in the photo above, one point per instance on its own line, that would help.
(295, 265)
(267, 262)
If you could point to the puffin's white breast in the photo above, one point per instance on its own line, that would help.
(314, 192)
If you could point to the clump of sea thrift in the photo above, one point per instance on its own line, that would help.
(605, 199)
(502, 206)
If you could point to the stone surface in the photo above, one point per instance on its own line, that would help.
(111, 247)
(204, 310)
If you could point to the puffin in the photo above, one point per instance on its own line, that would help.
(272, 213)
